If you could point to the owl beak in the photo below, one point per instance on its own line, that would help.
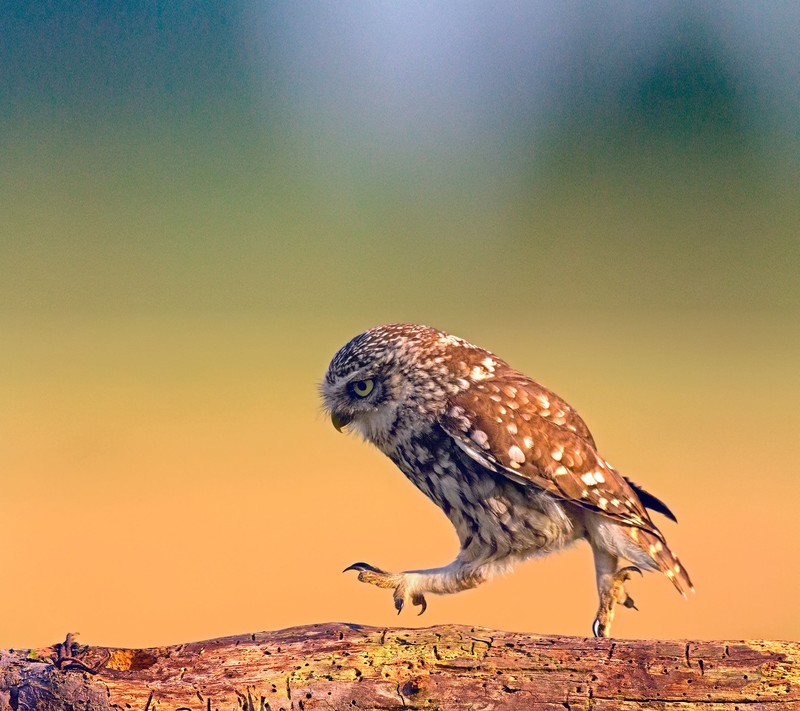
(340, 421)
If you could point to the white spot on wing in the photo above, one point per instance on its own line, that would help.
(478, 373)
(516, 454)
(480, 438)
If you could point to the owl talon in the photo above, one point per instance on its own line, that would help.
(419, 601)
(613, 595)
(393, 581)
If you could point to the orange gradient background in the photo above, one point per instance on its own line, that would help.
(176, 273)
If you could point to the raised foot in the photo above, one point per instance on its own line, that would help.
(398, 582)
(614, 594)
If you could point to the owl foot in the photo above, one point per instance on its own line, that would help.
(613, 595)
(391, 581)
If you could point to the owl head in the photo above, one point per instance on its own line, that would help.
(389, 376)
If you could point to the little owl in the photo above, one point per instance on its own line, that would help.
(511, 464)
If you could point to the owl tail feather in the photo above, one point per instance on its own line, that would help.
(665, 559)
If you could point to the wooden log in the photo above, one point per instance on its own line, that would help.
(343, 666)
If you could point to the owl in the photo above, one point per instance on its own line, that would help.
(511, 464)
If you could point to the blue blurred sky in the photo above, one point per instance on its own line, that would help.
(206, 153)
(418, 74)
(408, 73)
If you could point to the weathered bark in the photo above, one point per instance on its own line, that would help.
(348, 666)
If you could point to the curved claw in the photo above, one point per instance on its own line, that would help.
(360, 567)
(628, 602)
(417, 600)
(596, 631)
(628, 570)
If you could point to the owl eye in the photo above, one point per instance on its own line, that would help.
(362, 388)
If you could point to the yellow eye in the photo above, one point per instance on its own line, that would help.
(362, 388)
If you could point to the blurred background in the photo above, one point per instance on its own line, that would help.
(202, 201)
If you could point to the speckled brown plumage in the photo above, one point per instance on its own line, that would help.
(510, 463)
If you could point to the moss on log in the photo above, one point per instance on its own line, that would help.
(342, 666)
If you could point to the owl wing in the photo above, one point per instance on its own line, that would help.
(514, 426)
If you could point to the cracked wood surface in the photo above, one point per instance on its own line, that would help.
(338, 666)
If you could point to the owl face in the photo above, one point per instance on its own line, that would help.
(385, 378)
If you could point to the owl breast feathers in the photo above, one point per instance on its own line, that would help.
(511, 464)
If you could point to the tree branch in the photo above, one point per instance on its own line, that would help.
(337, 666)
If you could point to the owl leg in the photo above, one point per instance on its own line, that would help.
(411, 585)
(610, 589)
